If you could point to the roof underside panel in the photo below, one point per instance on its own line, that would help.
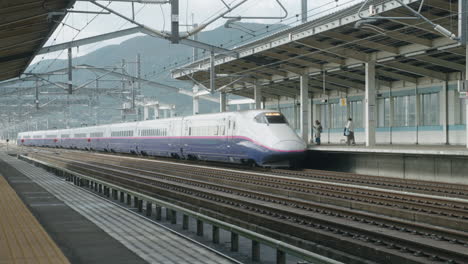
(25, 26)
(333, 50)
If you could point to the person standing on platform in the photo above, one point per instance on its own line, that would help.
(318, 131)
(349, 132)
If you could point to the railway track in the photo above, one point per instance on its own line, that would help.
(297, 208)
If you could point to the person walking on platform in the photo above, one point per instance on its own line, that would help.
(318, 131)
(349, 132)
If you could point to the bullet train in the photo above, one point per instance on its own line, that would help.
(255, 137)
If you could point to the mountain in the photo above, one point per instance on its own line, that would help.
(157, 57)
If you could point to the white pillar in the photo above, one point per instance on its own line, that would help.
(370, 104)
(418, 112)
(145, 113)
(304, 111)
(392, 116)
(466, 100)
(196, 106)
(172, 111)
(222, 102)
(156, 112)
(466, 121)
(444, 112)
(258, 96)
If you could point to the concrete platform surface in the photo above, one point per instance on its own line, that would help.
(442, 150)
(149, 241)
(22, 238)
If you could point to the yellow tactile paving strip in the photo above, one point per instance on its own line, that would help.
(22, 238)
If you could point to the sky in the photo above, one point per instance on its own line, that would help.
(157, 16)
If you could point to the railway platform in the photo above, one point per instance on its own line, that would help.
(442, 163)
(440, 150)
(88, 228)
(22, 238)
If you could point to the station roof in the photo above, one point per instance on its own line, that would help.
(332, 51)
(25, 26)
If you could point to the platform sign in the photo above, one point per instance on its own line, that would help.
(464, 95)
(343, 101)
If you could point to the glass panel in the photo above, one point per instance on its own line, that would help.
(430, 109)
(324, 115)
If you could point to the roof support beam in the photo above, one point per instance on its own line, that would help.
(361, 42)
(313, 55)
(397, 76)
(417, 70)
(294, 60)
(340, 51)
(442, 63)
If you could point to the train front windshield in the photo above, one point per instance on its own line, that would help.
(271, 118)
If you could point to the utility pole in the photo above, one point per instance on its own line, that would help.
(304, 11)
(70, 77)
(175, 21)
(36, 101)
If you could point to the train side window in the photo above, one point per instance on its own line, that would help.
(190, 131)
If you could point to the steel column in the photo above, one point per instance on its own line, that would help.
(222, 102)
(370, 103)
(185, 222)
(156, 112)
(37, 95)
(70, 68)
(215, 233)
(304, 11)
(255, 250)
(234, 242)
(196, 103)
(145, 113)
(280, 257)
(466, 100)
(258, 96)
(199, 227)
(304, 112)
(212, 72)
(149, 209)
(158, 213)
(444, 112)
(173, 217)
(175, 21)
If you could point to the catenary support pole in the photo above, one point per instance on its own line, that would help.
(258, 96)
(463, 35)
(212, 72)
(444, 112)
(222, 102)
(145, 112)
(156, 112)
(304, 112)
(37, 95)
(70, 67)
(196, 103)
(304, 11)
(370, 103)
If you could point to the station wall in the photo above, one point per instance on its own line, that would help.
(429, 113)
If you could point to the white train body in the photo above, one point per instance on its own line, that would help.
(258, 136)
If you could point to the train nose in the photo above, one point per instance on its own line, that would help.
(290, 145)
